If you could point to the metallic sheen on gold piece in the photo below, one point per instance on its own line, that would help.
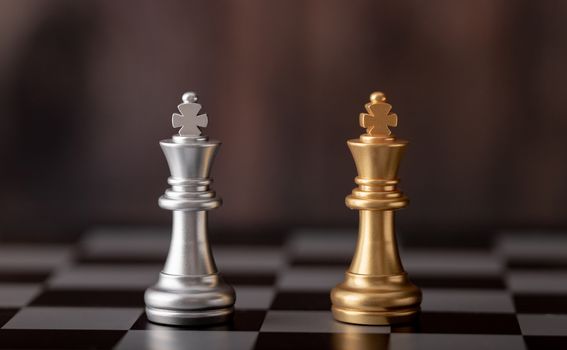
(376, 289)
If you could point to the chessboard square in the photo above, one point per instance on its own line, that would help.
(6, 315)
(538, 282)
(248, 259)
(543, 324)
(451, 262)
(94, 277)
(310, 279)
(310, 341)
(459, 282)
(17, 295)
(33, 257)
(454, 300)
(90, 298)
(122, 242)
(59, 339)
(399, 341)
(312, 322)
(335, 244)
(173, 339)
(546, 343)
(247, 320)
(534, 245)
(241, 321)
(461, 323)
(23, 276)
(314, 261)
(74, 318)
(541, 303)
(254, 298)
(84, 258)
(302, 301)
(249, 278)
(537, 264)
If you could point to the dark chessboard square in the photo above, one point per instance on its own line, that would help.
(119, 260)
(100, 298)
(540, 304)
(23, 276)
(302, 301)
(310, 341)
(481, 241)
(461, 323)
(454, 282)
(546, 343)
(272, 238)
(6, 315)
(324, 261)
(538, 264)
(249, 279)
(58, 339)
(243, 320)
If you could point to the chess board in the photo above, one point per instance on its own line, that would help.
(510, 293)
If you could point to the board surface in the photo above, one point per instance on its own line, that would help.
(510, 293)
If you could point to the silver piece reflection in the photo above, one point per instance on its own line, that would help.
(189, 290)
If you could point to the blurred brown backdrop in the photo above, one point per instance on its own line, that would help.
(87, 89)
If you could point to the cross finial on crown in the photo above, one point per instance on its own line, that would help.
(189, 120)
(378, 119)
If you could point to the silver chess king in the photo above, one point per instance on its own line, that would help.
(189, 290)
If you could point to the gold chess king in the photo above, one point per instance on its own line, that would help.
(376, 289)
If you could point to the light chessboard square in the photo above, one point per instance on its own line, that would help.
(179, 339)
(407, 341)
(17, 295)
(249, 259)
(133, 242)
(21, 257)
(74, 318)
(435, 262)
(322, 243)
(310, 279)
(313, 322)
(550, 325)
(106, 277)
(467, 300)
(254, 298)
(538, 282)
(533, 245)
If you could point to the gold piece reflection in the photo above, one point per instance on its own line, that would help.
(360, 341)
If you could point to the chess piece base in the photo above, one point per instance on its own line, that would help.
(372, 318)
(189, 300)
(189, 318)
(375, 300)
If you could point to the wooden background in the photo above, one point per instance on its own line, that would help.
(87, 89)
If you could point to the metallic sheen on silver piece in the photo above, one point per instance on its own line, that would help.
(189, 290)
